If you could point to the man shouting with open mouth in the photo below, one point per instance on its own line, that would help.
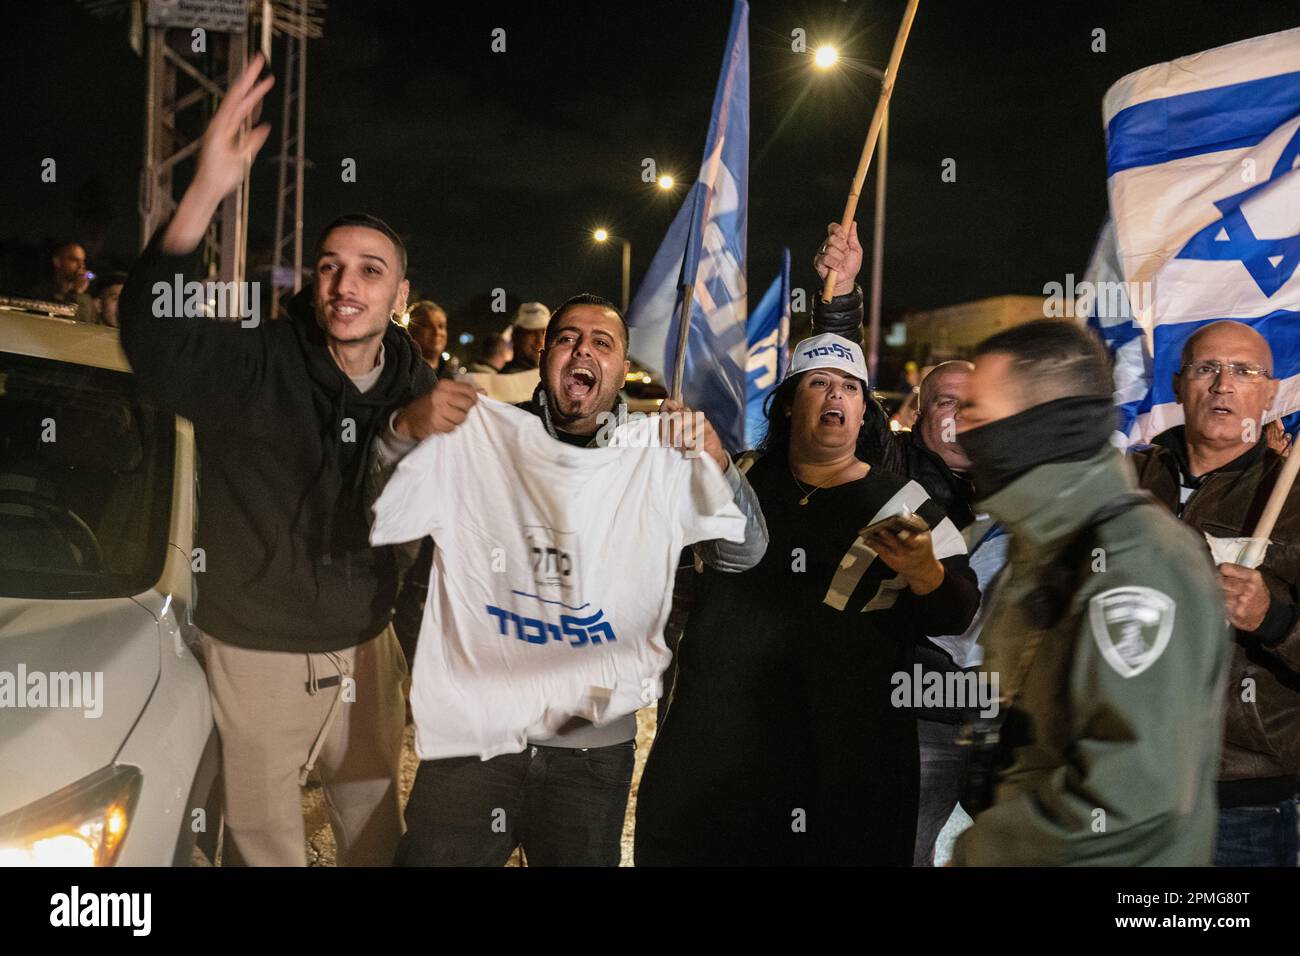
(562, 797)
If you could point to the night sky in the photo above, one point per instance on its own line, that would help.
(496, 166)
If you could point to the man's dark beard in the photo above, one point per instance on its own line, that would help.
(561, 420)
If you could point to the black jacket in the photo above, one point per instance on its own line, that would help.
(282, 437)
(1261, 742)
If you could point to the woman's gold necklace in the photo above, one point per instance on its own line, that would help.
(806, 494)
(816, 488)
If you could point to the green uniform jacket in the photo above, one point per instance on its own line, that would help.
(1124, 694)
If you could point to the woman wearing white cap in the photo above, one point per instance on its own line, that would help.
(782, 742)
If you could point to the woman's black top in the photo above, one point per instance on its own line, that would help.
(780, 744)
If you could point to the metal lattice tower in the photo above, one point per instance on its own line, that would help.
(166, 144)
(286, 259)
(184, 89)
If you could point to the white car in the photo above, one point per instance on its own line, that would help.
(107, 743)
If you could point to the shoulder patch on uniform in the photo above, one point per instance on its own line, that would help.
(1132, 626)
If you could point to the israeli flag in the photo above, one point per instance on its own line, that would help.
(1202, 155)
(769, 351)
(705, 245)
(1103, 301)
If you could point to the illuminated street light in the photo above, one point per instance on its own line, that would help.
(825, 57)
(600, 235)
(666, 182)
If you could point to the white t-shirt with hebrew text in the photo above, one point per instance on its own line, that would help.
(552, 574)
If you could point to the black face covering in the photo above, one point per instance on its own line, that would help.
(1067, 429)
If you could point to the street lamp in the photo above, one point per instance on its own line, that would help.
(666, 183)
(601, 235)
(825, 57)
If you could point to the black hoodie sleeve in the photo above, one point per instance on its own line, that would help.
(202, 368)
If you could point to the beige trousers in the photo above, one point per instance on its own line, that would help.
(281, 713)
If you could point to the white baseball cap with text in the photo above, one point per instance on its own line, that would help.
(828, 350)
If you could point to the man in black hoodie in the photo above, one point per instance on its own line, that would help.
(293, 604)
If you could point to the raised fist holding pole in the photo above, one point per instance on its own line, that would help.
(873, 133)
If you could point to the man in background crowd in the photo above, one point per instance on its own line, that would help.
(67, 281)
(528, 336)
(493, 355)
(104, 292)
(943, 757)
(428, 326)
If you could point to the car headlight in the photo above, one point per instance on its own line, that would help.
(84, 824)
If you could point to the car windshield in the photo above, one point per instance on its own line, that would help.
(85, 481)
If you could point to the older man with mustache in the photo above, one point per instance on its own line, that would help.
(1216, 472)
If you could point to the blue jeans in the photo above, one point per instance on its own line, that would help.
(565, 806)
(1257, 836)
(943, 765)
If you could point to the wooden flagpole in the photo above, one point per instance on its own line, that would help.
(683, 331)
(1254, 552)
(873, 133)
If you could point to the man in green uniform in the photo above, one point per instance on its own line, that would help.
(1106, 631)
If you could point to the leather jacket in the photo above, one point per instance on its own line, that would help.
(1262, 725)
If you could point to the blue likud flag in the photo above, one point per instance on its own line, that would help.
(769, 351)
(705, 245)
(1203, 160)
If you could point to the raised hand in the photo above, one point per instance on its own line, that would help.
(224, 153)
(840, 252)
(227, 147)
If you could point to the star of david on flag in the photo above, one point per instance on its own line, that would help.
(1203, 157)
(1270, 261)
